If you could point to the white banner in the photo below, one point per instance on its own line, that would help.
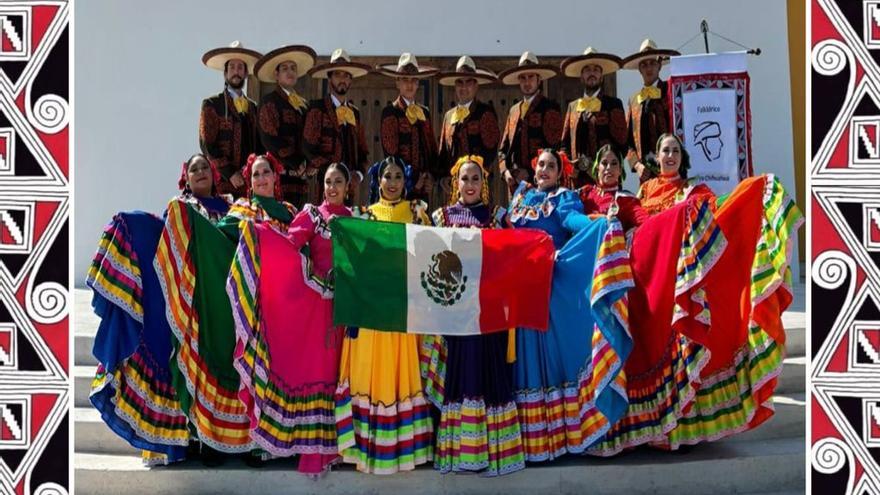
(710, 115)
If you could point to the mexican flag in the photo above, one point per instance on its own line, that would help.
(448, 281)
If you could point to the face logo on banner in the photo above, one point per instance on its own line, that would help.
(872, 23)
(707, 135)
(15, 38)
(14, 423)
(871, 431)
(8, 353)
(871, 232)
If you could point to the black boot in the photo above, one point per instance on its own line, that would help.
(211, 457)
(254, 459)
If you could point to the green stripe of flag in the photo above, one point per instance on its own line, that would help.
(369, 268)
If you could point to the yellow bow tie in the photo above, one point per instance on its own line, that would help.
(296, 101)
(589, 104)
(523, 108)
(345, 115)
(241, 104)
(649, 93)
(459, 114)
(414, 113)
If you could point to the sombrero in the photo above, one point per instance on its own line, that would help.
(572, 66)
(407, 66)
(467, 69)
(217, 58)
(340, 60)
(528, 64)
(302, 55)
(647, 50)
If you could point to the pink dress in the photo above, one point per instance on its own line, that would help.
(288, 355)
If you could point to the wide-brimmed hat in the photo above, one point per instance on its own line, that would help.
(572, 66)
(339, 60)
(407, 66)
(465, 68)
(302, 55)
(528, 64)
(217, 58)
(648, 49)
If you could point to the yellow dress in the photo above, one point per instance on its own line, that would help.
(383, 419)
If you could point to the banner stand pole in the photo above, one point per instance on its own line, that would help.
(704, 28)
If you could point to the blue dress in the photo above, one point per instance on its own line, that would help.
(568, 380)
(132, 389)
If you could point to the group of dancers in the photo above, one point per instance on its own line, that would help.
(664, 323)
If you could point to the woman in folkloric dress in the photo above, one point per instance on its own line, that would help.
(383, 418)
(289, 366)
(567, 379)
(469, 378)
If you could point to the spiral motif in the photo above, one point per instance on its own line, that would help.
(830, 455)
(47, 302)
(50, 489)
(49, 114)
(830, 269)
(829, 57)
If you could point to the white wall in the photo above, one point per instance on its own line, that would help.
(139, 79)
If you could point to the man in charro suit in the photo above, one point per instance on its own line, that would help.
(282, 115)
(471, 127)
(533, 123)
(406, 130)
(648, 113)
(227, 124)
(595, 119)
(333, 130)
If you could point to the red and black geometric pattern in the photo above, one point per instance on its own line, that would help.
(845, 234)
(34, 208)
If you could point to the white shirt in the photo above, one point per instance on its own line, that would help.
(595, 93)
(466, 105)
(336, 101)
(408, 102)
(234, 93)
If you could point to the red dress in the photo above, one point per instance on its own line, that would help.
(597, 199)
(663, 192)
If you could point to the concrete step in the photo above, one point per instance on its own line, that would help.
(82, 384)
(92, 435)
(82, 346)
(789, 421)
(794, 376)
(723, 467)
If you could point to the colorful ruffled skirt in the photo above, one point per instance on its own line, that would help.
(133, 387)
(470, 382)
(288, 365)
(383, 419)
(708, 333)
(569, 380)
(193, 261)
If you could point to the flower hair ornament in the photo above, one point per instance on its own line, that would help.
(375, 174)
(182, 183)
(484, 190)
(277, 168)
(566, 169)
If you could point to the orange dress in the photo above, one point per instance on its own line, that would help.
(663, 192)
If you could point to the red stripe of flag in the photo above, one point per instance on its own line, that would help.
(505, 301)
